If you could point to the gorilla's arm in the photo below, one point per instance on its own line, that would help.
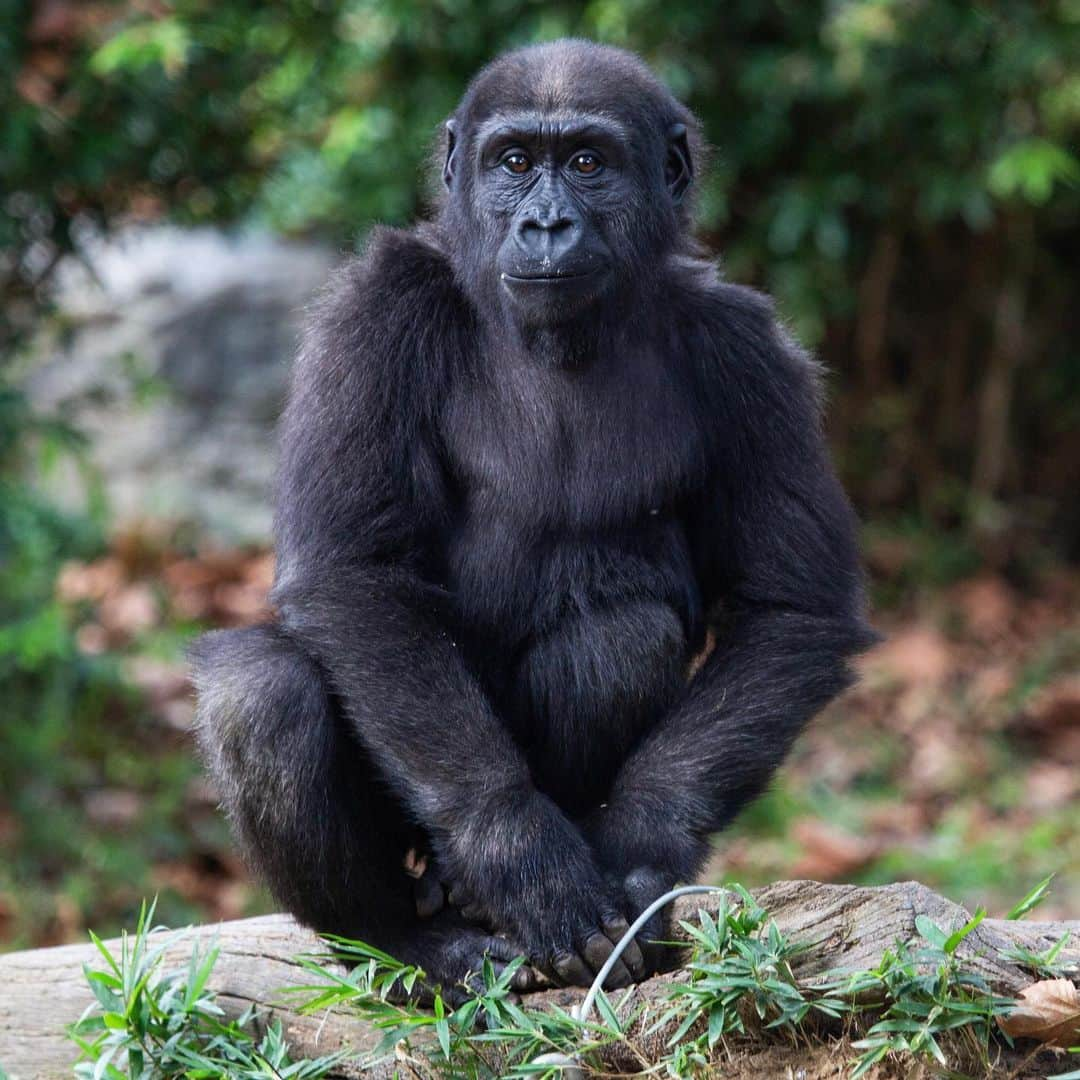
(360, 496)
(776, 549)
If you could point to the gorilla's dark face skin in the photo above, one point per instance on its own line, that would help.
(567, 202)
(550, 180)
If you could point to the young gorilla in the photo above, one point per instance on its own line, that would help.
(537, 451)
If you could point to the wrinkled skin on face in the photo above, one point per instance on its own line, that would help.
(567, 200)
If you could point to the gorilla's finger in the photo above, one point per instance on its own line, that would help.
(502, 952)
(527, 979)
(618, 977)
(657, 955)
(456, 996)
(642, 886)
(429, 896)
(415, 863)
(631, 955)
(597, 949)
(499, 948)
(571, 969)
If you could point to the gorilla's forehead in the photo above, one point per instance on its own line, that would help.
(571, 78)
(542, 125)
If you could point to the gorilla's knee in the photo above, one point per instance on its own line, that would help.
(258, 697)
(294, 785)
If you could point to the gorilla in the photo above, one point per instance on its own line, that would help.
(563, 566)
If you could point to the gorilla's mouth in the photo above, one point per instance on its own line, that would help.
(575, 275)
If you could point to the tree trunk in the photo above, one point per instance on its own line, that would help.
(849, 927)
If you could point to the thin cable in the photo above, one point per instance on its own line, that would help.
(583, 1010)
(569, 1066)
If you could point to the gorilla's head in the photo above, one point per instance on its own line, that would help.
(567, 167)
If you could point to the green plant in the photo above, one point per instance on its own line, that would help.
(741, 965)
(741, 981)
(929, 993)
(1031, 900)
(488, 1034)
(151, 1022)
(1044, 964)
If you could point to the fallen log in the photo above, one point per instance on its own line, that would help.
(42, 991)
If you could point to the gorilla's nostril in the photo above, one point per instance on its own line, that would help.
(542, 238)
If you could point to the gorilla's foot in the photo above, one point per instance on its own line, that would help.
(452, 957)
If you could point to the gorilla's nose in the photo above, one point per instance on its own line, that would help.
(546, 233)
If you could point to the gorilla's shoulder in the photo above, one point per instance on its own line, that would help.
(401, 281)
(406, 260)
(395, 306)
(740, 336)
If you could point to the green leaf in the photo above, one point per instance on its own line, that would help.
(442, 1027)
(1031, 900)
(931, 931)
(954, 939)
(1031, 168)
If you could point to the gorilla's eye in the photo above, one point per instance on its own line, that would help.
(517, 163)
(586, 164)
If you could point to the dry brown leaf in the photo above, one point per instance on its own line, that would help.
(89, 581)
(1057, 705)
(940, 760)
(182, 574)
(259, 571)
(241, 603)
(988, 606)
(895, 820)
(129, 611)
(113, 808)
(991, 684)
(1050, 784)
(828, 853)
(92, 639)
(159, 680)
(1048, 1011)
(919, 656)
(192, 603)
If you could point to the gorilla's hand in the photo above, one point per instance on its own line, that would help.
(642, 858)
(530, 874)
(640, 888)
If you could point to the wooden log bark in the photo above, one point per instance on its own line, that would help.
(44, 990)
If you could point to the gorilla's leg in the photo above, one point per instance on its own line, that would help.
(311, 812)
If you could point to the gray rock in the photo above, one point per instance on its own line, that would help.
(171, 352)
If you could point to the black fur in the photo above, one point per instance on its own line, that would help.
(536, 450)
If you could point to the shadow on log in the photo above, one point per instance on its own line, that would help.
(44, 990)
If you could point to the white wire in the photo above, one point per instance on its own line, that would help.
(583, 1010)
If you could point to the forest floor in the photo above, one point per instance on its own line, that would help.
(955, 761)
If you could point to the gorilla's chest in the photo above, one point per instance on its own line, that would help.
(562, 452)
(568, 487)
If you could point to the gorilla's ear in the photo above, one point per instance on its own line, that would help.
(678, 167)
(451, 144)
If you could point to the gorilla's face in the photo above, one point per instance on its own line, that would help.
(565, 167)
(555, 185)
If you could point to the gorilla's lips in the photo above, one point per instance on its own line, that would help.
(550, 279)
(550, 298)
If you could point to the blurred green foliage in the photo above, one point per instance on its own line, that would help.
(69, 723)
(900, 173)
